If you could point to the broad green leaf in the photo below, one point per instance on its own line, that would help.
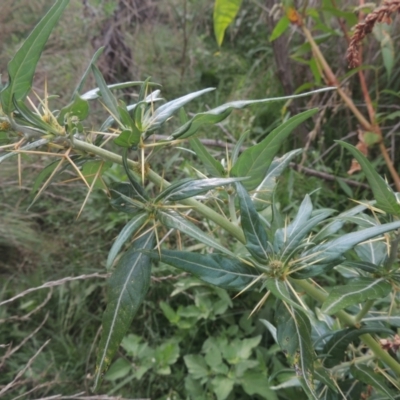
(21, 68)
(255, 161)
(127, 231)
(196, 365)
(108, 98)
(370, 377)
(213, 166)
(29, 146)
(373, 252)
(294, 337)
(279, 289)
(220, 113)
(280, 28)
(334, 351)
(254, 232)
(173, 220)
(217, 269)
(127, 288)
(222, 385)
(78, 108)
(262, 195)
(125, 198)
(164, 112)
(333, 250)
(190, 187)
(357, 291)
(385, 198)
(225, 12)
(91, 168)
(128, 138)
(119, 369)
(254, 382)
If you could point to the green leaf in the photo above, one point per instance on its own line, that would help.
(190, 187)
(173, 220)
(254, 382)
(280, 290)
(128, 230)
(254, 232)
(213, 166)
(196, 365)
(370, 377)
(119, 369)
(108, 98)
(21, 68)
(127, 288)
(125, 198)
(357, 291)
(335, 349)
(263, 192)
(220, 113)
(91, 168)
(385, 198)
(78, 108)
(225, 12)
(164, 112)
(217, 269)
(255, 161)
(280, 28)
(294, 337)
(333, 250)
(222, 385)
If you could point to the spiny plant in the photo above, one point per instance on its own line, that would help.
(327, 331)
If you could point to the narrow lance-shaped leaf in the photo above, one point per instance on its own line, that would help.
(22, 67)
(127, 288)
(173, 220)
(334, 249)
(138, 190)
(255, 161)
(192, 187)
(29, 146)
(370, 377)
(357, 291)
(220, 113)
(225, 12)
(167, 110)
(127, 231)
(214, 167)
(294, 337)
(262, 195)
(383, 194)
(254, 232)
(279, 289)
(216, 269)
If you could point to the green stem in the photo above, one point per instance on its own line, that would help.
(232, 209)
(366, 307)
(158, 180)
(349, 320)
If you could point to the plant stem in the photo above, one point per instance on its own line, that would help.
(365, 308)
(158, 180)
(349, 320)
(232, 209)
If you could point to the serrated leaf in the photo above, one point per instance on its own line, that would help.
(213, 166)
(294, 337)
(127, 232)
(225, 12)
(334, 351)
(255, 161)
(358, 291)
(280, 28)
(385, 197)
(254, 232)
(255, 382)
(217, 269)
(173, 220)
(190, 187)
(127, 288)
(164, 112)
(370, 377)
(223, 386)
(21, 68)
(196, 365)
(333, 250)
(263, 192)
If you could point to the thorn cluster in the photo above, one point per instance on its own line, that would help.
(362, 29)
